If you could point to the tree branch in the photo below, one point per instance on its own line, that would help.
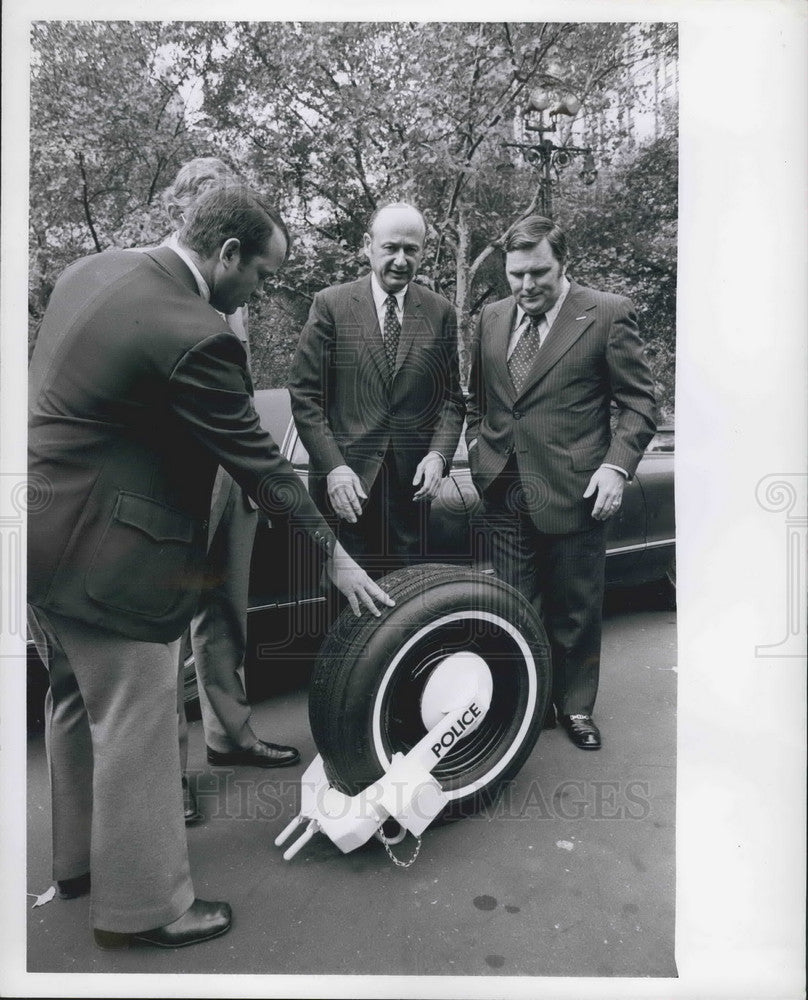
(86, 203)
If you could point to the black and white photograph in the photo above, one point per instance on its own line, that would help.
(404, 540)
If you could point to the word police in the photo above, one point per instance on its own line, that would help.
(459, 726)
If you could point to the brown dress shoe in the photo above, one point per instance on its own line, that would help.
(261, 754)
(582, 731)
(200, 922)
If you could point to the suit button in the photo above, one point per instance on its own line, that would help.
(380, 454)
(517, 414)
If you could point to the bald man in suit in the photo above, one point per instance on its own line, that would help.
(548, 364)
(376, 396)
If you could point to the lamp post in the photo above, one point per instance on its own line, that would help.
(543, 153)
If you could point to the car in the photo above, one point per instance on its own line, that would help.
(290, 610)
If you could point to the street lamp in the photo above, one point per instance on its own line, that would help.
(544, 154)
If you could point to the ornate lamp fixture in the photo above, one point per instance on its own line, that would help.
(543, 153)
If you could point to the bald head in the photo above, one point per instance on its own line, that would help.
(394, 245)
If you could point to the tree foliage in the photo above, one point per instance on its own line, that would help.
(334, 119)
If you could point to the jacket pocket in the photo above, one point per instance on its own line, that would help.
(145, 559)
(586, 459)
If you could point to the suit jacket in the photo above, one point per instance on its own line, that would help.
(558, 425)
(346, 410)
(138, 391)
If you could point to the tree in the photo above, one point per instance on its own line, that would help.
(109, 129)
(625, 241)
(333, 119)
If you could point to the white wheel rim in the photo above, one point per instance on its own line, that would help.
(530, 706)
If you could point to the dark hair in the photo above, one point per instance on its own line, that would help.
(231, 212)
(529, 232)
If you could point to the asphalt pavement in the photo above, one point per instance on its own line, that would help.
(572, 873)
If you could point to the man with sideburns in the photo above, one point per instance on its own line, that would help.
(138, 392)
(548, 364)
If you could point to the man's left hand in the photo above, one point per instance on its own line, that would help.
(429, 474)
(608, 485)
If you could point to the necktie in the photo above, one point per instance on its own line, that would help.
(521, 360)
(392, 330)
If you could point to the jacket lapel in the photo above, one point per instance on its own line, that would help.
(364, 310)
(501, 327)
(575, 316)
(412, 318)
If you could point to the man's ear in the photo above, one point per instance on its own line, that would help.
(176, 215)
(230, 252)
(366, 241)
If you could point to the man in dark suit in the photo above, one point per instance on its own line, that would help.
(547, 365)
(218, 632)
(376, 395)
(138, 391)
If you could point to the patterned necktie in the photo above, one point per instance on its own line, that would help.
(392, 330)
(521, 360)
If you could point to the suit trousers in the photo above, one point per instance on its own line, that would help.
(561, 575)
(219, 627)
(391, 531)
(116, 798)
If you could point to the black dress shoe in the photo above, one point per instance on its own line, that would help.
(201, 922)
(582, 731)
(261, 754)
(189, 804)
(72, 888)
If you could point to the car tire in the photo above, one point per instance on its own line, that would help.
(370, 674)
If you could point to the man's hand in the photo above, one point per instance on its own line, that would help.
(352, 581)
(608, 484)
(429, 474)
(345, 493)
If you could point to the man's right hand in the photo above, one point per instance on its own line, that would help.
(345, 493)
(352, 581)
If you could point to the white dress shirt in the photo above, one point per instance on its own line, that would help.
(174, 243)
(380, 297)
(546, 322)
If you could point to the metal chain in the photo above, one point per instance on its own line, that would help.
(396, 861)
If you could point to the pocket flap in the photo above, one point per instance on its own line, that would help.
(163, 524)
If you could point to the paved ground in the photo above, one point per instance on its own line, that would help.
(571, 875)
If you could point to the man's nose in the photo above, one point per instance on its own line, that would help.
(528, 282)
(400, 258)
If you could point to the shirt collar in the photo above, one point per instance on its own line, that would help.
(202, 285)
(380, 295)
(551, 314)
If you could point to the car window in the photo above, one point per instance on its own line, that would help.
(461, 455)
(663, 440)
(299, 454)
